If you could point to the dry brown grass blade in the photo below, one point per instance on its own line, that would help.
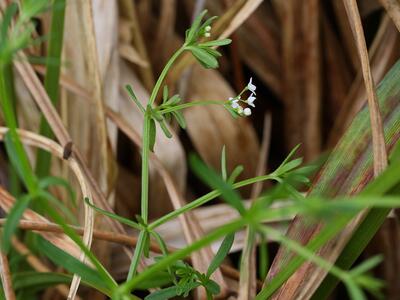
(301, 75)
(128, 9)
(378, 139)
(248, 270)
(383, 54)
(42, 100)
(35, 263)
(6, 277)
(346, 34)
(393, 10)
(32, 139)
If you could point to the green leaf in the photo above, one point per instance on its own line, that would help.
(355, 292)
(114, 216)
(61, 206)
(212, 287)
(168, 293)
(165, 93)
(222, 252)
(216, 43)
(165, 129)
(19, 159)
(223, 164)
(12, 221)
(192, 33)
(175, 99)
(204, 58)
(6, 21)
(48, 181)
(134, 98)
(367, 265)
(213, 180)
(234, 175)
(73, 265)
(180, 118)
(152, 136)
(39, 280)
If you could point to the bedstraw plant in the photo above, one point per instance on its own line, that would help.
(171, 274)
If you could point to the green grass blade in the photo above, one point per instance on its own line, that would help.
(13, 219)
(222, 252)
(73, 265)
(51, 81)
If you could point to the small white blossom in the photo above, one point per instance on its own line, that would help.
(207, 34)
(240, 110)
(251, 87)
(235, 104)
(208, 28)
(247, 111)
(250, 100)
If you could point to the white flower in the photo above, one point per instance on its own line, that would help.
(240, 110)
(208, 28)
(207, 34)
(235, 104)
(251, 87)
(247, 111)
(250, 100)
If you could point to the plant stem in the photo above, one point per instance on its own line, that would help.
(164, 74)
(190, 104)
(136, 255)
(144, 200)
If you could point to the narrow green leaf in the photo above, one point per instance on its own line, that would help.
(216, 43)
(137, 255)
(165, 93)
(191, 34)
(212, 287)
(52, 77)
(73, 265)
(165, 129)
(180, 118)
(223, 164)
(367, 265)
(46, 182)
(213, 180)
(5, 22)
(68, 214)
(234, 175)
(152, 136)
(222, 252)
(114, 216)
(13, 219)
(204, 58)
(39, 280)
(175, 99)
(134, 98)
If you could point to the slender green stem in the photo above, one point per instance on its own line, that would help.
(145, 166)
(137, 255)
(190, 104)
(164, 74)
(204, 199)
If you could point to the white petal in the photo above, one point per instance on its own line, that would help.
(251, 86)
(208, 28)
(207, 34)
(247, 111)
(235, 105)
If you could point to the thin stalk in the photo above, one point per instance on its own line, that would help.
(137, 255)
(51, 80)
(144, 200)
(189, 104)
(204, 199)
(164, 74)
